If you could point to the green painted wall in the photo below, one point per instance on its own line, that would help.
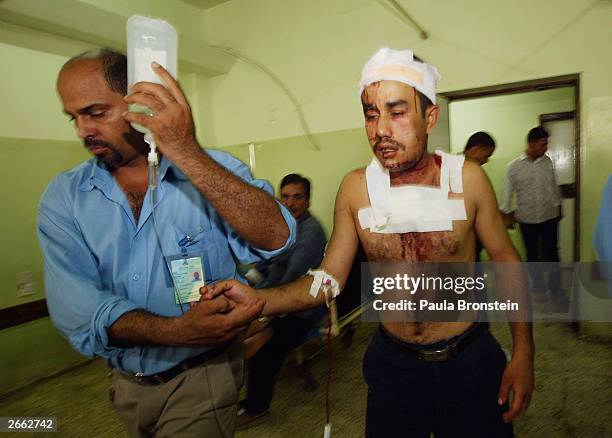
(28, 166)
(33, 351)
(507, 118)
(340, 152)
(28, 83)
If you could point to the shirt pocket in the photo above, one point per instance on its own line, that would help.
(197, 240)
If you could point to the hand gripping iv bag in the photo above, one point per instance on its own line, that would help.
(148, 40)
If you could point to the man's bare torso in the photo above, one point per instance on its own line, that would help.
(441, 246)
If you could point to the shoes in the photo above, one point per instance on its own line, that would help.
(347, 336)
(307, 381)
(245, 419)
(560, 304)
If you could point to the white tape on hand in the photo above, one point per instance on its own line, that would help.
(323, 282)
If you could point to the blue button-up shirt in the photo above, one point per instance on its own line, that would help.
(602, 237)
(100, 263)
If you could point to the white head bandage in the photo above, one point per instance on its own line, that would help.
(399, 65)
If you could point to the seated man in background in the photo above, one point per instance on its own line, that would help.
(289, 331)
(479, 148)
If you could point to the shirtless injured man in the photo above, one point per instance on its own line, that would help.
(449, 378)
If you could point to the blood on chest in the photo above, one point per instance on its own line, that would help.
(428, 246)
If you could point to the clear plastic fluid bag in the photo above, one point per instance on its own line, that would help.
(148, 40)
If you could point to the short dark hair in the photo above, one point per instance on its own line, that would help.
(114, 66)
(479, 138)
(424, 100)
(536, 134)
(294, 178)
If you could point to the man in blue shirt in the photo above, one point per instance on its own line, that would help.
(112, 286)
(602, 236)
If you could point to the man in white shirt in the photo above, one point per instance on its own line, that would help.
(532, 177)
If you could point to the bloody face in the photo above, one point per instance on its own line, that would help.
(396, 127)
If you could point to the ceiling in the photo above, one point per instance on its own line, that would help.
(205, 4)
(57, 26)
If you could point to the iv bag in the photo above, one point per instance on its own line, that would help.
(148, 40)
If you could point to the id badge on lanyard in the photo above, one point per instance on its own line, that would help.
(188, 274)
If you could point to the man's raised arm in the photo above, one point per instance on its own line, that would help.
(250, 211)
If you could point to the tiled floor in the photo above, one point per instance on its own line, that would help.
(573, 396)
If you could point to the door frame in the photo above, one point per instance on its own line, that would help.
(570, 80)
(569, 115)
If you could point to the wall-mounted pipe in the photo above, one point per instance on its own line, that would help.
(282, 86)
(395, 5)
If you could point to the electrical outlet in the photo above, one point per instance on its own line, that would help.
(25, 284)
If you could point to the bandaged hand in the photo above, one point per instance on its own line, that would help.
(323, 282)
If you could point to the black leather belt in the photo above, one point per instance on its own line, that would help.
(443, 351)
(166, 376)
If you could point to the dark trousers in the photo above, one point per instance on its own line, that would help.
(408, 397)
(542, 245)
(289, 333)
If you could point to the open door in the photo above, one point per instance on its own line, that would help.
(561, 149)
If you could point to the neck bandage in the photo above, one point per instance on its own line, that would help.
(413, 208)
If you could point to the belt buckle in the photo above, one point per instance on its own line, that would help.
(139, 378)
(441, 355)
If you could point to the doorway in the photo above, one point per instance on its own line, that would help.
(507, 112)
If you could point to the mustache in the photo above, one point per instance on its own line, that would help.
(91, 142)
(385, 143)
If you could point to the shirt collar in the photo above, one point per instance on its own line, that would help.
(99, 176)
(166, 166)
(525, 157)
(303, 217)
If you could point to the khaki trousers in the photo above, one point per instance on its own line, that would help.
(200, 402)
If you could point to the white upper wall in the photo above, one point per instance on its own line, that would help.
(318, 48)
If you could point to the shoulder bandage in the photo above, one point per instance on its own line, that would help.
(413, 208)
(323, 282)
